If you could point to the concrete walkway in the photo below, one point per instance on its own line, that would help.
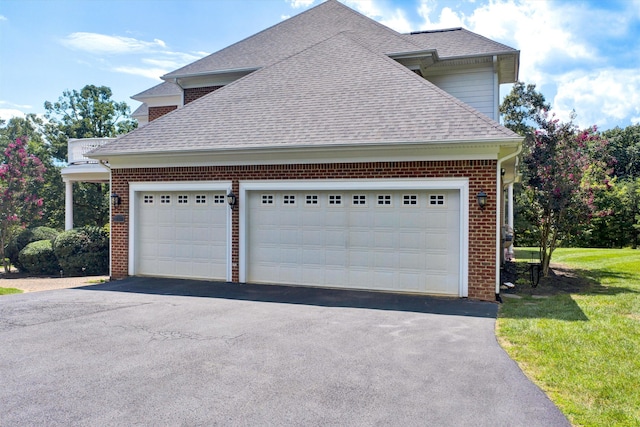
(170, 352)
(36, 284)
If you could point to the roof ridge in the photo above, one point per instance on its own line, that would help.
(251, 36)
(404, 43)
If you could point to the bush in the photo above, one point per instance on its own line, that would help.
(38, 258)
(22, 239)
(83, 251)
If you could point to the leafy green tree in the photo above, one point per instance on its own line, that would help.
(88, 113)
(624, 146)
(20, 173)
(520, 108)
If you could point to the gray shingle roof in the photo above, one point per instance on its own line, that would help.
(295, 34)
(457, 42)
(162, 89)
(318, 97)
(142, 110)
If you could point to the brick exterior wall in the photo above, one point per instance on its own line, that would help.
(155, 112)
(192, 94)
(482, 223)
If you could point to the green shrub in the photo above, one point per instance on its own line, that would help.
(38, 258)
(22, 239)
(83, 251)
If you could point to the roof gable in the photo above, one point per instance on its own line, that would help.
(295, 34)
(319, 97)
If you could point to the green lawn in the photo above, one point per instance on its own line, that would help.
(583, 347)
(7, 291)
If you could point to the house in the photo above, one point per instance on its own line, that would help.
(327, 150)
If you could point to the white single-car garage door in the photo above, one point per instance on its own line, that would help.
(394, 240)
(181, 234)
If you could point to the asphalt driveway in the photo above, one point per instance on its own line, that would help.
(168, 352)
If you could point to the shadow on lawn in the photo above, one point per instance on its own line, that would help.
(553, 297)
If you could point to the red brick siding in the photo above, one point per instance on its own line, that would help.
(155, 112)
(482, 223)
(192, 94)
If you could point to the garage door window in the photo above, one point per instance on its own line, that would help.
(410, 200)
(218, 199)
(437, 200)
(335, 199)
(183, 199)
(267, 199)
(201, 199)
(165, 199)
(384, 199)
(311, 199)
(289, 199)
(359, 200)
(148, 199)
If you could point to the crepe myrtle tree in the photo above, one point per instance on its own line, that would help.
(563, 169)
(20, 174)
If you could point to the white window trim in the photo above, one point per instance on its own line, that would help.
(459, 184)
(171, 186)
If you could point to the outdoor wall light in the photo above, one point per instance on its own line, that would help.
(482, 199)
(232, 199)
(115, 199)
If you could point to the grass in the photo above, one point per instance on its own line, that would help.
(582, 346)
(7, 291)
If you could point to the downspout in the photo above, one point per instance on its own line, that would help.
(103, 163)
(499, 215)
(496, 90)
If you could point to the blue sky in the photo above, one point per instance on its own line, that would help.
(582, 55)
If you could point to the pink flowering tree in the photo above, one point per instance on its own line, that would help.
(20, 174)
(563, 170)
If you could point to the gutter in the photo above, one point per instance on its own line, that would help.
(499, 215)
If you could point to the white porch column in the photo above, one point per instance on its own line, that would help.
(68, 205)
(510, 213)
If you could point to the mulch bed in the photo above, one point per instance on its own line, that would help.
(561, 280)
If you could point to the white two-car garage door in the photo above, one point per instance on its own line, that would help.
(398, 240)
(181, 234)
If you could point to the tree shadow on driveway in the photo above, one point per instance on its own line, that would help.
(301, 295)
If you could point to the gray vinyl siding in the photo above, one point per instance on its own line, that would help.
(473, 85)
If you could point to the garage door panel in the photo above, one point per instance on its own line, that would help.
(181, 234)
(384, 244)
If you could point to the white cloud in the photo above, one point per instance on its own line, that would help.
(104, 44)
(447, 19)
(300, 3)
(537, 28)
(3, 18)
(395, 19)
(604, 97)
(151, 73)
(8, 113)
(157, 61)
(14, 105)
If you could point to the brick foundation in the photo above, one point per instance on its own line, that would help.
(482, 223)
